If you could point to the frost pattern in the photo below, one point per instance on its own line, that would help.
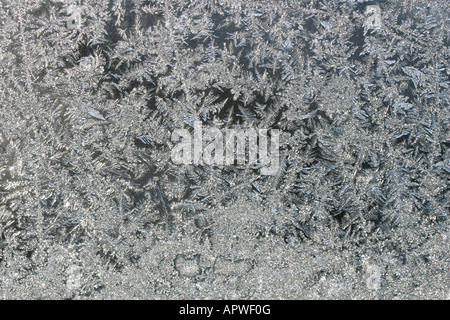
(89, 199)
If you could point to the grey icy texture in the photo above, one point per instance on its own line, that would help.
(92, 207)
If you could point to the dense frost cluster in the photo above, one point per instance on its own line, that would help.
(91, 205)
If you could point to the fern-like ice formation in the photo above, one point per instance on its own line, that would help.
(91, 205)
